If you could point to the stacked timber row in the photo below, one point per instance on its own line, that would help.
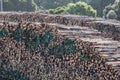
(47, 51)
(110, 49)
(109, 29)
(37, 51)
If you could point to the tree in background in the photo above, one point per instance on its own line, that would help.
(59, 5)
(51, 4)
(112, 9)
(79, 8)
(111, 15)
(20, 5)
(99, 5)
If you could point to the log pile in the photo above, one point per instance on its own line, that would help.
(106, 27)
(32, 49)
(36, 51)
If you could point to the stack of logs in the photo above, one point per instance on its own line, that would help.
(39, 52)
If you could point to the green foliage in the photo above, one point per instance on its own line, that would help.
(46, 38)
(51, 4)
(79, 8)
(83, 57)
(111, 14)
(9, 74)
(28, 39)
(3, 33)
(112, 10)
(65, 47)
(36, 41)
(32, 41)
(20, 5)
(99, 5)
(18, 34)
(58, 10)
